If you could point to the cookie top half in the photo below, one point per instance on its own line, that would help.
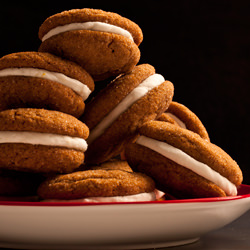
(44, 61)
(91, 15)
(42, 121)
(95, 183)
(182, 116)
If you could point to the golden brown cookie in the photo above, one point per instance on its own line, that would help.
(42, 80)
(182, 163)
(104, 43)
(180, 115)
(41, 141)
(117, 112)
(96, 185)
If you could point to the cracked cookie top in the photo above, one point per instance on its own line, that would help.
(44, 121)
(91, 15)
(95, 183)
(47, 61)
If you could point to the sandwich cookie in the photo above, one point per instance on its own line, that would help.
(116, 164)
(115, 114)
(42, 80)
(98, 186)
(183, 117)
(41, 141)
(103, 43)
(182, 163)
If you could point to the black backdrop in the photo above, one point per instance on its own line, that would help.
(201, 46)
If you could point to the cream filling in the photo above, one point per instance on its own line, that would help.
(77, 86)
(138, 92)
(93, 26)
(187, 161)
(159, 194)
(47, 139)
(178, 121)
(129, 198)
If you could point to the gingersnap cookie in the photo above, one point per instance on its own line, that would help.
(103, 43)
(113, 164)
(16, 183)
(98, 186)
(41, 141)
(182, 163)
(115, 114)
(42, 80)
(116, 164)
(180, 115)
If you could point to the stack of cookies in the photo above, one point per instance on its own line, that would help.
(126, 141)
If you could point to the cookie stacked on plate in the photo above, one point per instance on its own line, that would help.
(42, 96)
(45, 127)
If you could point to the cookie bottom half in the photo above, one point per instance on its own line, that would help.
(101, 54)
(39, 159)
(31, 92)
(95, 183)
(170, 177)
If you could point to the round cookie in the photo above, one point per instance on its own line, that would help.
(42, 80)
(182, 163)
(180, 115)
(116, 164)
(98, 186)
(41, 141)
(15, 183)
(116, 113)
(103, 43)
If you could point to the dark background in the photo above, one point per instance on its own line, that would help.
(201, 46)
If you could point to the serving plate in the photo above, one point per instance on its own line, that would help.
(137, 225)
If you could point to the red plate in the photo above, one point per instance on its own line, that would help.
(243, 192)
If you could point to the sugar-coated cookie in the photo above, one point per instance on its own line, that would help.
(117, 112)
(41, 141)
(182, 163)
(104, 43)
(116, 164)
(98, 186)
(180, 115)
(42, 80)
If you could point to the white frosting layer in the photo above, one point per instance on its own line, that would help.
(187, 161)
(77, 86)
(46, 139)
(129, 198)
(138, 92)
(178, 121)
(159, 194)
(93, 26)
